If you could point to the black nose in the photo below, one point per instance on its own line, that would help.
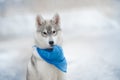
(51, 43)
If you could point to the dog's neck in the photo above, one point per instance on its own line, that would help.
(37, 43)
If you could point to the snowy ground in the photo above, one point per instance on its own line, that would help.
(91, 45)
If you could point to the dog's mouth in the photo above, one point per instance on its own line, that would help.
(50, 48)
(52, 45)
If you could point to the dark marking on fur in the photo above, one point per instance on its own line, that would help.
(33, 60)
(49, 30)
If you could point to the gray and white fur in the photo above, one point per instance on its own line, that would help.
(47, 34)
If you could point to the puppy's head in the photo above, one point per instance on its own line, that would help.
(48, 32)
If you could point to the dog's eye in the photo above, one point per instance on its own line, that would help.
(54, 32)
(44, 33)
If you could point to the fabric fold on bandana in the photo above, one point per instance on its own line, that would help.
(54, 56)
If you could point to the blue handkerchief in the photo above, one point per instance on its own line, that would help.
(54, 56)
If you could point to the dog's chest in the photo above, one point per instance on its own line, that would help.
(43, 69)
(43, 66)
(47, 70)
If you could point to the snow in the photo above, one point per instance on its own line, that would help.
(91, 45)
(95, 58)
(17, 25)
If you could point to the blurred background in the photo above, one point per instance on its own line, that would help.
(91, 30)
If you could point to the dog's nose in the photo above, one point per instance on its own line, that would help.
(51, 43)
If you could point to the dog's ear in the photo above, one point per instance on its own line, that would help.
(39, 20)
(56, 19)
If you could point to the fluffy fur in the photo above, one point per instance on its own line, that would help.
(48, 34)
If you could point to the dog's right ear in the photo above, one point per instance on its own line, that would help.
(39, 20)
(56, 19)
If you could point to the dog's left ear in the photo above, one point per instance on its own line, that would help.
(56, 19)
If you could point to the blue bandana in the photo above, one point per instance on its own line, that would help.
(54, 56)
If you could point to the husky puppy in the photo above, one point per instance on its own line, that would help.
(48, 34)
